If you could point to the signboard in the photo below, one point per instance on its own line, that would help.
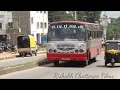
(43, 39)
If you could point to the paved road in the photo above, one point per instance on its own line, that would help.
(68, 70)
(21, 60)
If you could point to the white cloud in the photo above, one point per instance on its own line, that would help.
(114, 14)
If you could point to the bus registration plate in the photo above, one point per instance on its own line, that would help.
(65, 59)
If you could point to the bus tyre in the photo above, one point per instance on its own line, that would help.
(56, 63)
(94, 59)
(86, 63)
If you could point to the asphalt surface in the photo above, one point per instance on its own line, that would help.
(21, 60)
(69, 70)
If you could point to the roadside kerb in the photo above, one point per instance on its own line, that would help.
(19, 67)
(14, 56)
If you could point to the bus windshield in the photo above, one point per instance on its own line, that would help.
(66, 32)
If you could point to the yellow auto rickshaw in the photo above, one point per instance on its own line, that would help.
(112, 52)
(26, 45)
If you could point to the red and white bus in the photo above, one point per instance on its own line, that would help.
(73, 41)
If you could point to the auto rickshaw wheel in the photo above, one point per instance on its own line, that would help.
(56, 63)
(23, 55)
(35, 53)
(30, 53)
(20, 54)
(113, 64)
(105, 63)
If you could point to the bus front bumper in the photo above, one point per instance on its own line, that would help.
(67, 57)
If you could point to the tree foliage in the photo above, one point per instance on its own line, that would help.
(59, 15)
(88, 16)
(113, 30)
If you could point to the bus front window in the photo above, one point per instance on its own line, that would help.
(69, 32)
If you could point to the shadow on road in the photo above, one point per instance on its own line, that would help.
(109, 66)
(24, 56)
(73, 64)
(70, 64)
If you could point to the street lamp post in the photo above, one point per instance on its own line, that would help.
(19, 29)
(75, 15)
(105, 24)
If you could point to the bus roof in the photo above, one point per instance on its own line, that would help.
(79, 22)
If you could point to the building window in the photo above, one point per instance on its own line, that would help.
(0, 25)
(10, 25)
(45, 25)
(32, 20)
(41, 24)
(37, 25)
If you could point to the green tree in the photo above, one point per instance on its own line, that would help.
(113, 30)
(59, 15)
(89, 16)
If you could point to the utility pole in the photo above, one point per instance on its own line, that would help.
(19, 29)
(75, 15)
(105, 24)
(105, 27)
(43, 21)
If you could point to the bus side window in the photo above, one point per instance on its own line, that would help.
(89, 35)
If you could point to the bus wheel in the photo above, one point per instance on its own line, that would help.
(56, 63)
(85, 63)
(94, 59)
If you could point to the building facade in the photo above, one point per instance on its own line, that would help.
(3, 22)
(39, 25)
(27, 23)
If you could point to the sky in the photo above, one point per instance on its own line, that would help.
(114, 14)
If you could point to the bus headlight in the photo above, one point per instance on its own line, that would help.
(81, 50)
(76, 51)
(50, 50)
(54, 51)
